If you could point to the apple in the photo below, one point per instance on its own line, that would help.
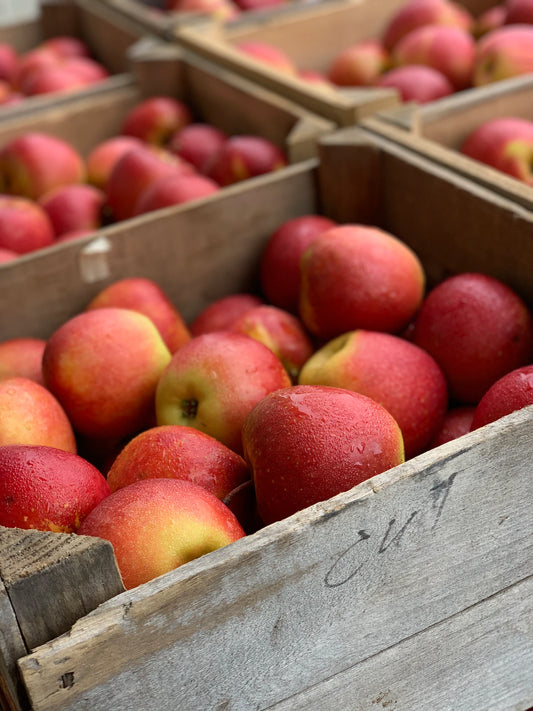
(8, 95)
(102, 158)
(132, 173)
(147, 297)
(355, 276)
(359, 64)
(72, 235)
(198, 143)
(188, 394)
(269, 54)
(503, 53)
(7, 255)
(456, 423)
(418, 13)
(87, 69)
(35, 162)
(103, 366)
(489, 20)
(67, 46)
(315, 78)
(53, 79)
(9, 60)
(46, 488)
(280, 261)
(505, 144)
(477, 329)
(244, 156)
(174, 190)
(509, 393)
(250, 5)
(449, 50)
(30, 414)
(399, 375)
(242, 502)
(24, 225)
(156, 525)
(220, 10)
(22, 357)
(179, 452)
(32, 63)
(156, 119)
(518, 12)
(418, 83)
(74, 207)
(307, 443)
(280, 331)
(221, 313)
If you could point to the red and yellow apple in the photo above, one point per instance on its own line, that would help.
(156, 119)
(503, 53)
(74, 207)
(359, 64)
(24, 225)
(22, 357)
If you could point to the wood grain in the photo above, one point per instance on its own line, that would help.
(308, 598)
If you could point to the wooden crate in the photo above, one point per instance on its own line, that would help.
(107, 39)
(438, 130)
(411, 591)
(311, 35)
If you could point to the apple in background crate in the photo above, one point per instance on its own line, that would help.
(22, 357)
(24, 225)
(503, 53)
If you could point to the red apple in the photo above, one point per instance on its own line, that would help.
(9, 60)
(156, 119)
(307, 443)
(174, 190)
(53, 79)
(72, 235)
(242, 502)
(449, 50)
(74, 207)
(156, 525)
(354, 276)
(220, 10)
(315, 78)
(399, 375)
(7, 255)
(66, 46)
(280, 331)
(242, 157)
(418, 13)
(32, 63)
(503, 53)
(147, 297)
(88, 70)
(24, 225)
(280, 261)
(511, 392)
(489, 20)
(222, 313)
(30, 414)
(418, 83)
(456, 423)
(179, 452)
(505, 144)
(518, 12)
(198, 144)
(188, 394)
(102, 158)
(103, 366)
(35, 162)
(269, 54)
(22, 357)
(359, 64)
(477, 329)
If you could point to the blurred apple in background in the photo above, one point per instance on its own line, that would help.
(503, 53)
(34, 163)
(242, 157)
(74, 207)
(221, 313)
(102, 158)
(220, 10)
(67, 46)
(9, 60)
(489, 20)
(156, 525)
(510, 393)
(307, 443)
(505, 144)
(155, 119)
(47, 489)
(280, 261)
(456, 423)
(268, 53)
(24, 225)
(355, 276)
(477, 329)
(518, 12)
(7, 255)
(147, 297)
(198, 144)
(179, 452)
(30, 414)
(417, 83)
(174, 190)
(188, 394)
(360, 64)
(22, 357)
(399, 375)
(103, 366)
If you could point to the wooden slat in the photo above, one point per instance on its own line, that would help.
(307, 598)
(12, 647)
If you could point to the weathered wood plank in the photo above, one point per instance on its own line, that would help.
(12, 647)
(311, 596)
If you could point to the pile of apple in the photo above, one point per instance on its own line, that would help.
(171, 440)
(59, 64)
(50, 193)
(428, 49)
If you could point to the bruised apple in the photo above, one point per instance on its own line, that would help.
(47, 488)
(156, 525)
(307, 443)
(179, 452)
(188, 394)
